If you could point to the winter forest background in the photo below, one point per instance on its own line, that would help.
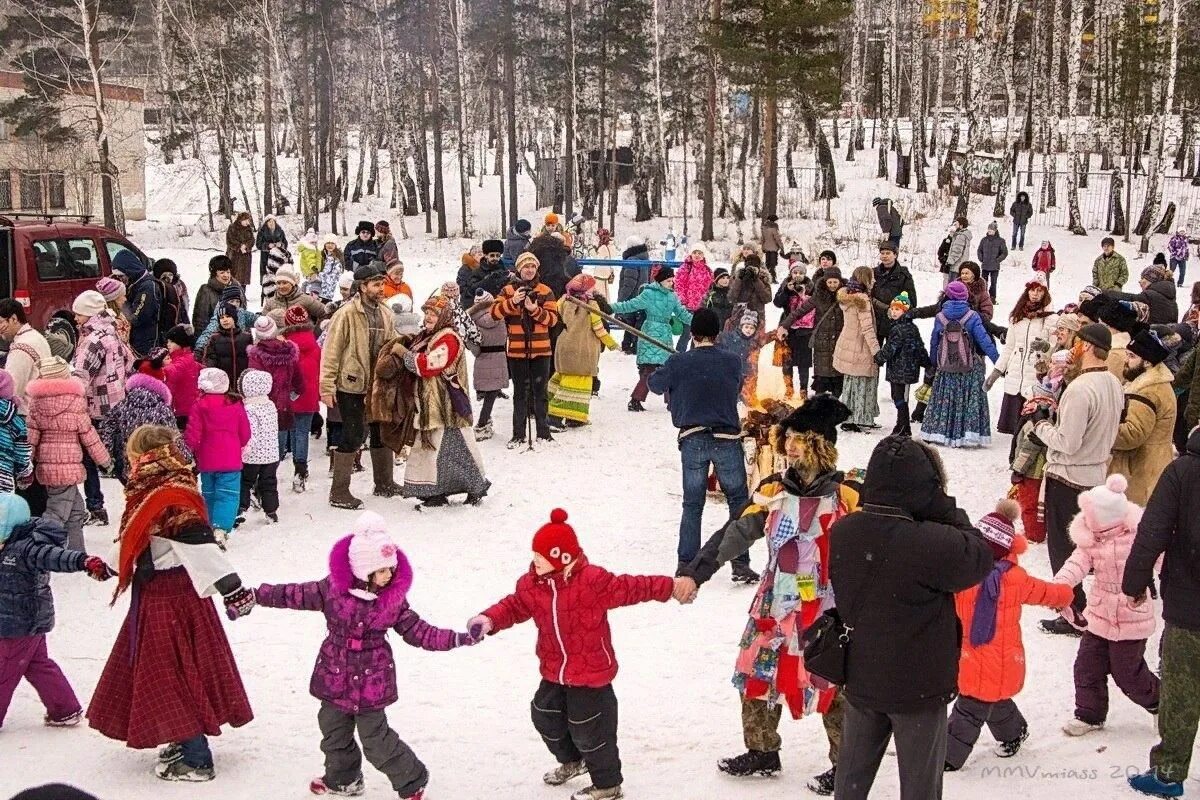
(462, 114)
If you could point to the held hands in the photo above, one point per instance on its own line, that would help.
(96, 569)
(685, 590)
(239, 603)
(478, 627)
(466, 640)
(1134, 602)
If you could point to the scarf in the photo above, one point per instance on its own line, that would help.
(983, 624)
(160, 499)
(460, 403)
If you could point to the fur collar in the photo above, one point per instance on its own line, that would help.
(275, 352)
(341, 579)
(139, 380)
(1159, 373)
(858, 300)
(50, 387)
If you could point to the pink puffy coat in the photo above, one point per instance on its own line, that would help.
(1104, 553)
(217, 430)
(183, 376)
(59, 430)
(692, 282)
(103, 360)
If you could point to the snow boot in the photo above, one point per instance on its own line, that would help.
(636, 405)
(903, 425)
(300, 482)
(352, 789)
(179, 771)
(484, 432)
(752, 762)
(592, 793)
(172, 752)
(1077, 727)
(339, 489)
(1012, 746)
(1150, 783)
(515, 442)
(69, 721)
(439, 501)
(564, 772)
(1059, 627)
(823, 784)
(97, 517)
(382, 466)
(918, 414)
(743, 574)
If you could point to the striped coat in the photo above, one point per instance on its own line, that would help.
(528, 332)
(15, 452)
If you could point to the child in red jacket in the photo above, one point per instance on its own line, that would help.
(991, 666)
(568, 599)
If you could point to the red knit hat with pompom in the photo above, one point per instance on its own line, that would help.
(556, 541)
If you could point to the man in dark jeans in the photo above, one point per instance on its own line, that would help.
(702, 387)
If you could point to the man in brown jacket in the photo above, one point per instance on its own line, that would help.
(1143, 448)
(356, 336)
(772, 243)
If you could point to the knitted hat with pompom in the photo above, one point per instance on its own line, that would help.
(1105, 507)
(371, 549)
(556, 541)
(997, 527)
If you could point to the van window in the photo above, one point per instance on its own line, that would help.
(114, 247)
(65, 259)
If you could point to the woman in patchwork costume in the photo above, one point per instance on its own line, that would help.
(792, 510)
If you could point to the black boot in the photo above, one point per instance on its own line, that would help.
(743, 574)
(903, 425)
(823, 784)
(752, 762)
(636, 405)
(918, 414)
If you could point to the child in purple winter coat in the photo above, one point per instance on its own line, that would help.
(364, 596)
(217, 431)
(280, 358)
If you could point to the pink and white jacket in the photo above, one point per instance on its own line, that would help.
(104, 361)
(692, 282)
(59, 430)
(1104, 553)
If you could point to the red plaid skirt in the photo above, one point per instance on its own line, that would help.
(182, 680)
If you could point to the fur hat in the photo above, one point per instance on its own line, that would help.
(832, 256)
(997, 527)
(213, 381)
(1105, 506)
(182, 335)
(522, 226)
(1097, 335)
(525, 259)
(296, 315)
(556, 541)
(957, 290)
(492, 246)
(362, 226)
(288, 274)
(371, 549)
(219, 263)
(971, 267)
(264, 328)
(887, 245)
(89, 303)
(53, 368)
(13, 511)
(110, 288)
(1118, 315)
(164, 265)
(1148, 346)
(819, 416)
(633, 242)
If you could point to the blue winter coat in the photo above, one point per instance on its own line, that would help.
(15, 452)
(956, 310)
(32, 551)
(904, 353)
(661, 306)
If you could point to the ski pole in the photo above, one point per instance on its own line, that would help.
(622, 325)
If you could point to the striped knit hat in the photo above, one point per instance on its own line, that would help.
(525, 260)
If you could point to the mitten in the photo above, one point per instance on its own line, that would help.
(991, 380)
(239, 602)
(479, 626)
(465, 640)
(97, 569)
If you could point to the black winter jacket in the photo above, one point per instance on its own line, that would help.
(1160, 296)
(889, 283)
(895, 566)
(490, 279)
(633, 278)
(557, 264)
(904, 353)
(359, 253)
(34, 549)
(992, 250)
(226, 351)
(1171, 526)
(267, 237)
(1021, 209)
(514, 244)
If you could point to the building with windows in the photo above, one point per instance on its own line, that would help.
(35, 178)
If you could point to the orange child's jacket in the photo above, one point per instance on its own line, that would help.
(996, 671)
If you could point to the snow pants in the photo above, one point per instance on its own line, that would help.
(263, 480)
(641, 389)
(381, 745)
(221, 491)
(64, 505)
(579, 723)
(26, 657)
(1179, 710)
(1126, 662)
(1003, 719)
(920, 752)
(760, 725)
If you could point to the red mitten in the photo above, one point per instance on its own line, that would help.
(97, 569)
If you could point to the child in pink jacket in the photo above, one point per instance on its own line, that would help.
(1114, 639)
(692, 282)
(182, 373)
(217, 430)
(60, 429)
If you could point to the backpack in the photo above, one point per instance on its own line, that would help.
(943, 251)
(954, 353)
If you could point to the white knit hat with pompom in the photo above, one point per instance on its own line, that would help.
(1105, 506)
(371, 549)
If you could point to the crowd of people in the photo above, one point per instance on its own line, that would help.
(194, 413)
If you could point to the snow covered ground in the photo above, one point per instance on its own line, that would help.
(466, 712)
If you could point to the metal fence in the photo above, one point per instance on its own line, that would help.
(1095, 201)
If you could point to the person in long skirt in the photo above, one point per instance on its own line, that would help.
(171, 678)
(957, 415)
(444, 458)
(577, 355)
(854, 354)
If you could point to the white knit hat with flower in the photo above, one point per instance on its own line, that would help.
(371, 548)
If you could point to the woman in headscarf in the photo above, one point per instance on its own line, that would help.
(444, 459)
(577, 355)
(171, 678)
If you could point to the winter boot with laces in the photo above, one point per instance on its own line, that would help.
(96, 517)
(903, 425)
(352, 789)
(592, 793)
(339, 489)
(300, 482)
(743, 574)
(751, 762)
(823, 784)
(1012, 746)
(382, 467)
(172, 752)
(564, 772)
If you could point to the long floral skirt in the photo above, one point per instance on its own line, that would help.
(451, 466)
(570, 396)
(958, 415)
(861, 396)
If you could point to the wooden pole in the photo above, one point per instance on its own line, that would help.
(619, 324)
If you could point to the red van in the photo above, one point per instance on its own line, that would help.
(46, 261)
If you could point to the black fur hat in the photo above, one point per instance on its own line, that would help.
(820, 415)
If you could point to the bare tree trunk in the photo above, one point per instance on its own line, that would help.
(707, 177)
(770, 154)
(569, 167)
(1166, 38)
(856, 77)
(1074, 218)
(510, 106)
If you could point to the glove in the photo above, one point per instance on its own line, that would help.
(466, 640)
(991, 380)
(97, 569)
(479, 626)
(1002, 335)
(1041, 414)
(239, 602)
